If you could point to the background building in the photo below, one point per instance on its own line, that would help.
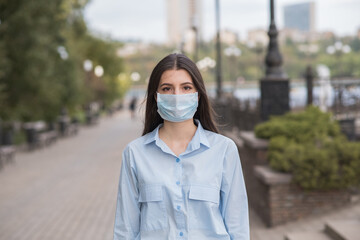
(300, 16)
(184, 16)
(257, 37)
(228, 37)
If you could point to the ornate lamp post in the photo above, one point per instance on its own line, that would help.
(232, 53)
(258, 48)
(275, 85)
(196, 43)
(218, 51)
(88, 67)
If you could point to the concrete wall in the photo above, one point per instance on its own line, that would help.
(273, 195)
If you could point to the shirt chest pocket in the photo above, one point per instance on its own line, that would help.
(153, 211)
(203, 193)
(203, 206)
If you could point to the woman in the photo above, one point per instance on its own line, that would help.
(180, 179)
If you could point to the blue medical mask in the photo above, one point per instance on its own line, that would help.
(177, 107)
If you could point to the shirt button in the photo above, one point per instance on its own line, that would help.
(178, 207)
(178, 183)
(177, 160)
(181, 234)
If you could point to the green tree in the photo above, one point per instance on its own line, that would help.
(43, 45)
(30, 36)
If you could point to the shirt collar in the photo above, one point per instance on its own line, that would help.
(199, 137)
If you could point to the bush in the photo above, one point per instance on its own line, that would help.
(311, 147)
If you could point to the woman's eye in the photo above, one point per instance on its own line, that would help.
(166, 89)
(187, 88)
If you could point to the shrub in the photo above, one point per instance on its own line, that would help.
(311, 147)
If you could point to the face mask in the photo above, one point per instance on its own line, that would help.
(177, 107)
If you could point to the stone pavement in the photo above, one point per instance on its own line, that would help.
(312, 224)
(68, 190)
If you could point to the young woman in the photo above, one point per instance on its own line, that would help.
(180, 179)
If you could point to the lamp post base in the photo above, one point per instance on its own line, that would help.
(274, 98)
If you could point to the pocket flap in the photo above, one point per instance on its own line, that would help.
(150, 193)
(204, 193)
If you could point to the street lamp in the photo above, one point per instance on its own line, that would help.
(338, 49)
(99, 71)
(135, 76)
(62, 52)
(257, 48)
(88, 65)
(273, 57)
(218, 50)
(206, 63)
(275, 85)
(232, 53)
(196, 43)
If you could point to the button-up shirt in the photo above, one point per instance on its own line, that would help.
(197, 195)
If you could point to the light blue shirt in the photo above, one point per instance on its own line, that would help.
(198, 195)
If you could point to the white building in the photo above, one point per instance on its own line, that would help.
(183, 16)
(229, 37)
(256, 37)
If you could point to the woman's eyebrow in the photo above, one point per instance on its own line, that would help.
(169, 84)
(187, 83)
(165, 84)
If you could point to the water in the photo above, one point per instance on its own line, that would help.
(298, 94)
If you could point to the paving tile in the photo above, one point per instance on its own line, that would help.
(68, 190)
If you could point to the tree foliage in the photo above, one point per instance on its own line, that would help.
(43, 45)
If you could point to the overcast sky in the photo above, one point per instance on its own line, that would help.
(146, 19)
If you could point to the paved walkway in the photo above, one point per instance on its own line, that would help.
(68, 190)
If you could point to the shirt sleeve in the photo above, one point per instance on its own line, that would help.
(127, 216)
(233, 197)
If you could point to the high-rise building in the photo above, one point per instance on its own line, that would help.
(300, 16)
(184, 16)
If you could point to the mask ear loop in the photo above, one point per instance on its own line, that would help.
(198, 95)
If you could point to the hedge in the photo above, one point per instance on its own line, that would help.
(311, 146)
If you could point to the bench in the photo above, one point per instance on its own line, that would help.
(6, 154)
(38, 136)
(48, 137)
(73, 128)
(68, 127)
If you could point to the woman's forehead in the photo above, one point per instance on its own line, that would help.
(175, 76)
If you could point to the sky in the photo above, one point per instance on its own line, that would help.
(146, 19)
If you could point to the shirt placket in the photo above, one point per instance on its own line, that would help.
(179, 202)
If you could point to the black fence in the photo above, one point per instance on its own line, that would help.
(235, 114)
(342, 99)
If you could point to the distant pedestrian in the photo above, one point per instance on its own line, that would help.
(132, 107)
(181, 179)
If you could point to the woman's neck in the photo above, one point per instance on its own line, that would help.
(178, 131)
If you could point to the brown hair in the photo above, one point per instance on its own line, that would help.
(204, 112)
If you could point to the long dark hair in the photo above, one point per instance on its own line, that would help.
(204, 113)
